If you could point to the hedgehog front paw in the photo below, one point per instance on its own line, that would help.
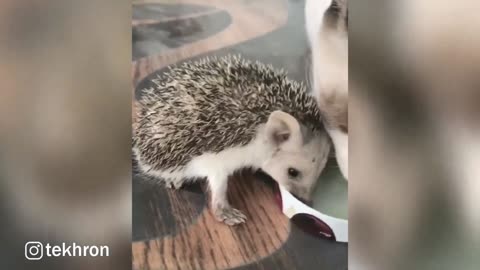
(229, 215)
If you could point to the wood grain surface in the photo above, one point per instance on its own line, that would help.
(173, 229)
(200, 242)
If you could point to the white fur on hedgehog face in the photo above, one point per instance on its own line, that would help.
(299, 155)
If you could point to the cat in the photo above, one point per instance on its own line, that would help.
(327, 32)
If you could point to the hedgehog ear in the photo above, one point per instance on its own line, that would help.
(283, 128)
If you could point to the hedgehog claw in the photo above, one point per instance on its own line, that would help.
(229, 215)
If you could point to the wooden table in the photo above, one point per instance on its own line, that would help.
(173, 229)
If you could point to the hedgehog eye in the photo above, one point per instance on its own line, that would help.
(293, 173)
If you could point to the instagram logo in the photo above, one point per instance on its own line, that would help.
(33, 250)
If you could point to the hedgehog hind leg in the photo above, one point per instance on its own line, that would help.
(221, 208)
(173, 179)
(169, 179)
(174, 182)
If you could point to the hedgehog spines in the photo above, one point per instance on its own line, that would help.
(212, 104)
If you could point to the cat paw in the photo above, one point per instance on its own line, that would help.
(229, 215)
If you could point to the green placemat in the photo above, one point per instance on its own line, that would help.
(331, 192)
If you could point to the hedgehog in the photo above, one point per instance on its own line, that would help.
(209, 118)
